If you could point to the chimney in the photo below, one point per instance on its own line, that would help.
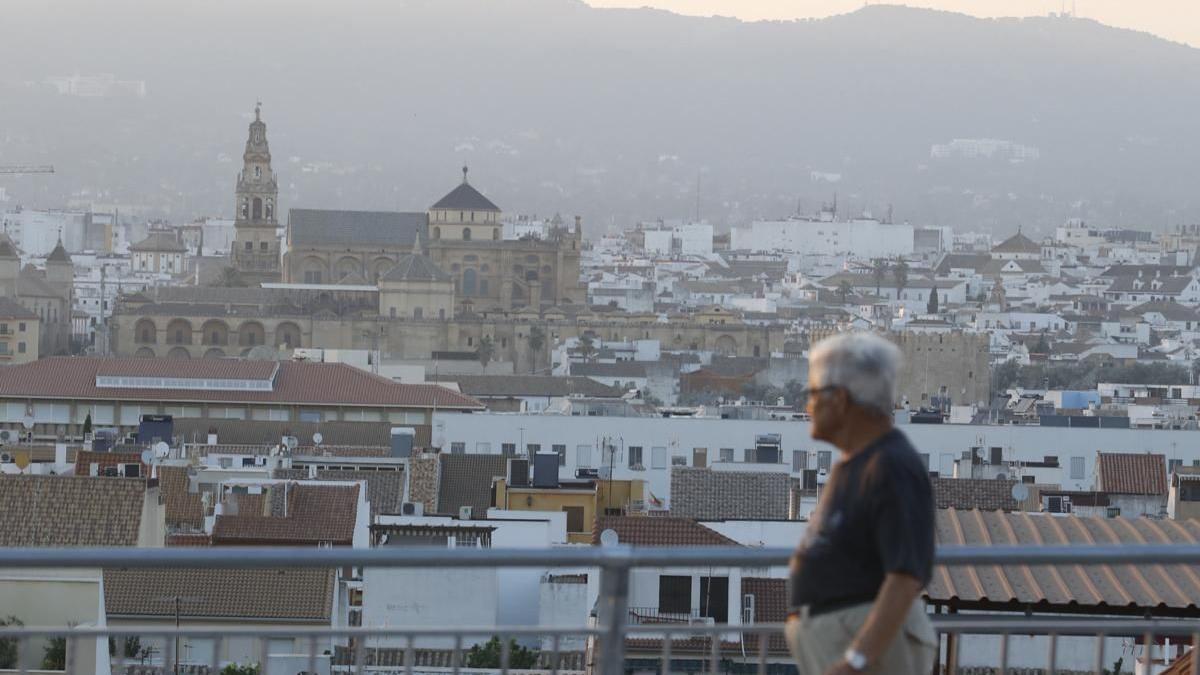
(212, 436)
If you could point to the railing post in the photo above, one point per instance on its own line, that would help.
(612, 610)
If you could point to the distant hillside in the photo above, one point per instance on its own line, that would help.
(608, 113)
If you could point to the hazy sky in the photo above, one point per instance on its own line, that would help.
(1177, 20)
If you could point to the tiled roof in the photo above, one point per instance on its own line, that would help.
(770, 606)
(970, 261)
(209, 369)
(315, 227)
(618, 369)
(309, 514)
(59, 254)
(158, 242)
(257, 432)
(285, 594)
(466, 480)
(295, 383)
(467, 198)
(447, 659)
(1128, 473)
(670, 531)
(104, 460)
(974, 493)
(184, 508)
(531, 385)
(1119, 588)
(1018, 243)
(415, 267)
(70, 510)
(11, 309)
(706, 494)
(385, 489)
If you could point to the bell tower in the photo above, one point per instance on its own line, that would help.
(255, 253)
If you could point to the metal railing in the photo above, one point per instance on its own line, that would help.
(609, 644)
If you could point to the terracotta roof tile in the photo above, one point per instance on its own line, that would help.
(466, 480)
(385, 489)
(281, 594)
(1131, 589)
(974, 493)
(1129, 473)
(314, 514)
(184, 509)
(671, 531)
(70, 510)
(294, 383)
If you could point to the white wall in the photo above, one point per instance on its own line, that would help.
(864, 238)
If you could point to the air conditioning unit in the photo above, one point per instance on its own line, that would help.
(412, 509)
(9, 436)
(5, 458)
(464, 513)
(748, 609)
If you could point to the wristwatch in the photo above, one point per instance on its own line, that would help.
(856, 660)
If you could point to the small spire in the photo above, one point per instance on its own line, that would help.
(416, 249)
(464, 174)
(258, 111)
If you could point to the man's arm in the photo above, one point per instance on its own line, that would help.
(887, 615)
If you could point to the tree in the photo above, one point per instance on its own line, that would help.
(230, 278)
(87, 424)
(1042, 347)
(1004, 376)
(878, 272)
(537, 340)
(239, 669)
(587, 347)
(900, 276)
(485, 351)
(844, 289)
(488, 655)
(932, 306)
(54, 656)
(8, 646)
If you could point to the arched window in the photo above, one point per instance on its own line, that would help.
(258, 172)
(469, 282)
(270, 210)
(466, 234)
(245, 207)
(257, 209)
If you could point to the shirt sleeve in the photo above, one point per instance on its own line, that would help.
(904, 525)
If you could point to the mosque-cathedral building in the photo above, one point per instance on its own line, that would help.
(407, 284)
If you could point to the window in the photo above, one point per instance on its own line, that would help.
(675, 595)
(466, 234)
(264, 247)
(561, 451)
(714, 598)
(678, 460)
(700, 457)
(458, 448)
(574, 518)
(997, 455)
(799, 460)
(824, 459)
(312, 276)
(20, 347)
(635, 457)
(21, 326)
(658, 458)
(583, 456)
(725, 454)
(249, 246)
(1077, 468)
(1189, 491)
(418, 313)
(508, 449)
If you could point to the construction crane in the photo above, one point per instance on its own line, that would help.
(24, 169)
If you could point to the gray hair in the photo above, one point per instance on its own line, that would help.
(863, 364)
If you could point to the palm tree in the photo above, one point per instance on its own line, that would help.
(537, 340)
(900, 276)
(844, 289)
(485, 351)
(878, 272)
(587, 347)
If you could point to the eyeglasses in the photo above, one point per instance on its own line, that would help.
(811, 391)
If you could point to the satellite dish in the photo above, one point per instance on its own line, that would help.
(161, 449)
(318, 438)
(147, 456)
(290, 442)
(822, 477)
(1020, 492)
(609, 538)
(27, 422)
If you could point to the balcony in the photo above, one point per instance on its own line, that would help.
(619, 638)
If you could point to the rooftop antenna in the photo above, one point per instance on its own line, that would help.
(697, 196)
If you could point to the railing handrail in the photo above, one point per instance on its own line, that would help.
(621, 556)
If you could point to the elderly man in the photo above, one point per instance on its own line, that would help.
(857, 575)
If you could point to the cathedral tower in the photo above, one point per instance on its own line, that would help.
(255, 252)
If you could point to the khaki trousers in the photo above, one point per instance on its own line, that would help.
(818, 642)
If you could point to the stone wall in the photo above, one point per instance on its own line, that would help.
(705, 494)
(424, 476)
